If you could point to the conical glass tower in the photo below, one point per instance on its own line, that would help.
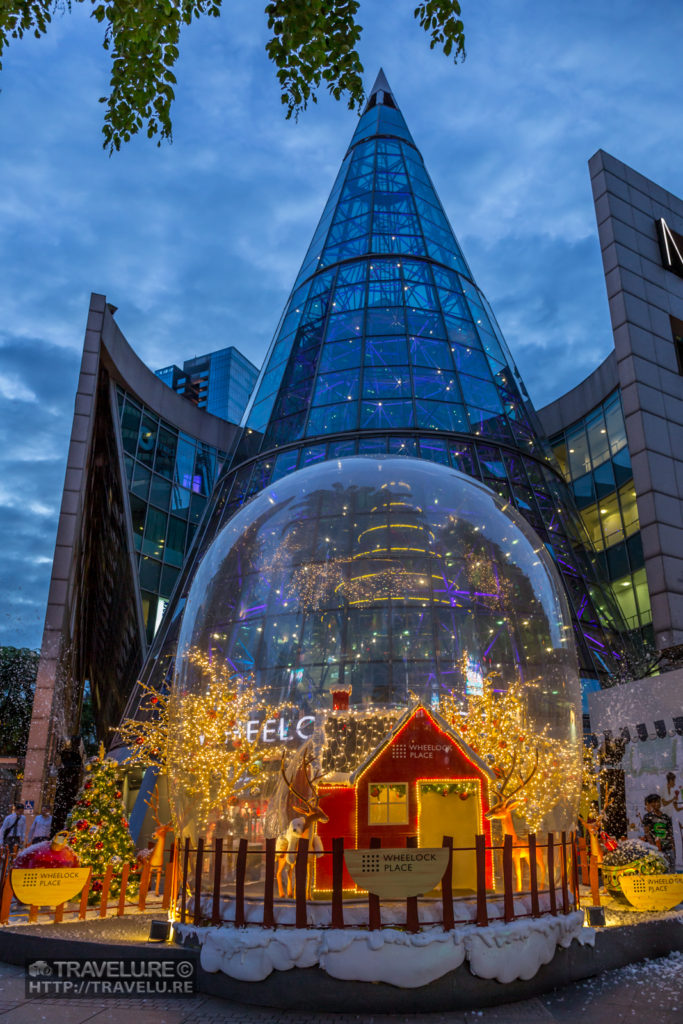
(387, 345)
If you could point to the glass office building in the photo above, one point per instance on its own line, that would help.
(594, 457)
(387, 346)
(218, 382)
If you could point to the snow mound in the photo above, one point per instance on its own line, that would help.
(503, 952)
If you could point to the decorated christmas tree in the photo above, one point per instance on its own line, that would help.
(97, 824)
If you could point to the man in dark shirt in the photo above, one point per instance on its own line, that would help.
(658, 828)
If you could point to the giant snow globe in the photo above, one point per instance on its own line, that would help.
(375, 646)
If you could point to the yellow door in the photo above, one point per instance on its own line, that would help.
(450, 815)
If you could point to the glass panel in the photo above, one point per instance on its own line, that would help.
(604, 479)
(141, 479)
(335, 387)
(584, 490)
(610, 519)
(341, 356)
(642, 596)
(577, 450)
(597, 438)
(160, 492)
(386, 382)
(331, 419)
(150, 572)
(175, 541)
(441, 416)
(138, 510)
(386, 351)
(165, 454)
(386, 414)
(629, 509)
(430, 352)
(625, 593)
(147, 440)
(614, 421)
(155, 533)
(130, 427)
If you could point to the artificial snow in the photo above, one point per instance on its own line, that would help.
(503, 952)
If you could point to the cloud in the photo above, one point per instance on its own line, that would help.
(198, 243)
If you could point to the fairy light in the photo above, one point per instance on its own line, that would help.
(496, 725)
(201, 737)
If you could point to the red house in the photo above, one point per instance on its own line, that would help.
(422, 780)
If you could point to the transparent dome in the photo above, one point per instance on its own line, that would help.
(343, 595)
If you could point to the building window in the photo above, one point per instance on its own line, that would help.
(388, 803)
(677, 333)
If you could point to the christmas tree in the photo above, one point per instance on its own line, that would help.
(98, 827)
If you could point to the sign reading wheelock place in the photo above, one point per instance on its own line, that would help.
(397, 872)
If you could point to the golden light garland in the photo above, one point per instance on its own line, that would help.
(201, 738)
(496, 726)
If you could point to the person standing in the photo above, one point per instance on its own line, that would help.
(13, 828)
(42, 825)
(659, 829)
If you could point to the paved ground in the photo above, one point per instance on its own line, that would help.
(648, 993)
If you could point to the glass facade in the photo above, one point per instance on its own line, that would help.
(594, 458)
(386, 345)
(170, 476)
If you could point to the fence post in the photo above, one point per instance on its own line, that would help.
(412, 916)
(186, 865)
(301, 882)
(575, 872)
(480, 856)
(198, 868)
(508, 894)
(6, 898)
(170, 877)
(106, 883)
(565, 886)
(583, 856)
(144, 884)
(447, 887)
(59, 913)
(337, 883)
(122, 894)
(240, 874)
(217, 865)
(551, 873)
(534, 876)
(85, 892)
(374, 916)
(33, 913)
(269, 884)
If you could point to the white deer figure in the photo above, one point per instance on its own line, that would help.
(303, 826)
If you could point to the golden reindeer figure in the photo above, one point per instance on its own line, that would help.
(155, 855)
(308, 814)
(501, 810)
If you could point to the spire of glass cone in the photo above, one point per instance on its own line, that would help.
(387, 345)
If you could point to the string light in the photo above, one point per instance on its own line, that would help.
(200, 737)
(497, 728)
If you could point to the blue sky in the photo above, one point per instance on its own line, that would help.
(198, 242)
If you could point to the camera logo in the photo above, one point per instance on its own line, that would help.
(39, 969)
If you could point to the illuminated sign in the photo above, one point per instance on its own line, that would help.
(280, 730)
(396, 873)
(671, 247)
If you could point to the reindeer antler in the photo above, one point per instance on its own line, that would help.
(307, 805)
(503, 797)
(153, 805)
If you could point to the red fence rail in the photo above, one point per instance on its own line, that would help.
(200, 881)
